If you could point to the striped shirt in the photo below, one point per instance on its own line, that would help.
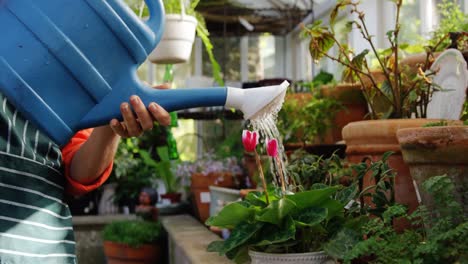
(35, 223)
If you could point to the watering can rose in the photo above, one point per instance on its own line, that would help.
(249, 140)
(272, 147)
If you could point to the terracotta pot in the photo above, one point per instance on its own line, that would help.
(351, 97)
(414, 61)
(245, 192)
(377, 75)
(118, 253)
(173, 197)
(200, 190)
(372, 139)
(435, 151)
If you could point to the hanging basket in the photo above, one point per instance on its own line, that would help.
(177, 40)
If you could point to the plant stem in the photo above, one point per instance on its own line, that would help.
(397, 94)
(365, 34)
(262, 176)
(367, 74)
(280, 169)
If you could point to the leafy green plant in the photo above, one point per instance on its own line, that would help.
(285, 225)
(304, 221)
(438, 234)
(308, 169)
(307, 122)
(403, 92)
(453, 19)
(133, 232)
(129, 171)
(162, 168)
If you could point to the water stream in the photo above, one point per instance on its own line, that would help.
(265, 124)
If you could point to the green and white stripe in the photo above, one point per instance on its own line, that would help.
(35, 223)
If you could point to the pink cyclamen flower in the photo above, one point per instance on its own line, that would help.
(250, 140)
(272, 147)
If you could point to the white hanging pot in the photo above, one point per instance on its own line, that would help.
(177, 40)
(294, 258)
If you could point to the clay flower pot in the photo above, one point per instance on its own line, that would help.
(372, 139)
(118, 253)
(173, 197)
(355, 106)
(199, 188)
(435, 151)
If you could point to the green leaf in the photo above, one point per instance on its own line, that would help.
(321, 40)
(318, 186)
(312, 216)
(358, 60)
(240, 235)
(334, 207)
(272, 235)
(394, 211)
(231, 215)
(343, 242)
(215, 246)
(163, 153)
(334, 13)
(387, 89)
(277, 210)
(241, 255)
(386, 155)
(347, 194)
(256, 198)
(312, 198)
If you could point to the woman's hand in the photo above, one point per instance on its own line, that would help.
(137, 118)
(96, 154)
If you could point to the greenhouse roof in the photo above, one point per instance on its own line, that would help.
(240, 17)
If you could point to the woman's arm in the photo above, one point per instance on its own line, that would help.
(97, 153)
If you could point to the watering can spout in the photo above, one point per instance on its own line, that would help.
(257, 102)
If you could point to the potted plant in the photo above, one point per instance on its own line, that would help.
(277, 227)
(286, 225)
(163, 170)
(130, 174)
(308, 118)
(208, 170)
(438, 234)
(182, 22)
(401, 95)
(132, 241)
(179, 33)
(437, 149)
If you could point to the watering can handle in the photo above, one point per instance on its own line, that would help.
(156, 20)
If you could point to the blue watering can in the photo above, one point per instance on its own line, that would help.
(68, 64)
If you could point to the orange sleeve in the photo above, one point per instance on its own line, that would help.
(73, 187)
